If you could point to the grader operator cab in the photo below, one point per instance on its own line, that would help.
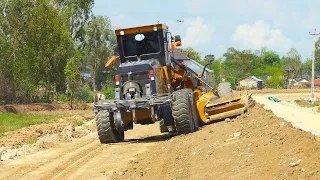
(154, 83)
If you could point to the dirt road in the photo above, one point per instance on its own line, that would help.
(256, 145)
(305, 118)
(83, 158)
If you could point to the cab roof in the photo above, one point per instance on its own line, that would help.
(141, 29)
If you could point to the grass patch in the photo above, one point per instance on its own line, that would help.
(12, 122)
(79, 123)
(308, 103)
(32, 140)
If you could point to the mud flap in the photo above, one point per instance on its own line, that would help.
(119, 123)
(166, 113)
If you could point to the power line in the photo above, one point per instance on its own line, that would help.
(313, 59)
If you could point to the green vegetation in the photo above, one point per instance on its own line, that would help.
(83, 94)
(12, 122)
(235, 65)
(63, 98)
(79, 123)
(108, 92)
(47, 45)
(308, 103)
(32, 140)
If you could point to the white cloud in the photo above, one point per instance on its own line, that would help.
(195, 4)
(198, 32)
(259, 35)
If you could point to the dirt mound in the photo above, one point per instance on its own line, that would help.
(256, 145)
(26, 108)
(31, 134)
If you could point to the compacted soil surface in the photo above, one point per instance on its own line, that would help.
(255, 145)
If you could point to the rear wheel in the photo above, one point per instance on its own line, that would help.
(106, 128)
(184, 111)
(224, 89)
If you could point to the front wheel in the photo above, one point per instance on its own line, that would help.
(106, 128)
(184, 111)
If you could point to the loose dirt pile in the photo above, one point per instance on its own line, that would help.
(256, 145)
(31, 134)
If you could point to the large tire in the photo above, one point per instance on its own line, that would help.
(184, 111)
(163, 127)
(224, 89)
(106, 128)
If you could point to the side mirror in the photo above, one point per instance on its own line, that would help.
(177, 38)
(210, 60)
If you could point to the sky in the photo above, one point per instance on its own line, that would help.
(212, 26)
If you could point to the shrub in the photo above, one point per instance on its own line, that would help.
(108, 92)
(83, 94)
(63, 98)
(275, 81)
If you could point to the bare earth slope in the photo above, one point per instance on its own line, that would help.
(256, 145)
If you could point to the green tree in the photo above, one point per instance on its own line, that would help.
(229, 55)
(276, 81)
(77, 13)
(39, 46)
(270, 58)
(99, 42)
(192, 53)
(305, 69)
(72, 72)
(36, 40)
(239, 64)
(215, 78)
(317, 58)
(292, 61)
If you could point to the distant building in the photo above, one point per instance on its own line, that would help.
(303, 82)
(306, 83)
(317, 82)
(292, 82)
(251, 82)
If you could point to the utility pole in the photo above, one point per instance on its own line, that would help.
(313, 59)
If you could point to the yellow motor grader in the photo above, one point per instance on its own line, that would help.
(157, 82)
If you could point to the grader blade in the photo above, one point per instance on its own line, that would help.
(228, 106)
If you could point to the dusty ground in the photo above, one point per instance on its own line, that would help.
(255, 145)
(24, 135)
(82, 158)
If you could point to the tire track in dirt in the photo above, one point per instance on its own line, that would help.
(19, 169)
(75, 166)
(76, 160)
(83, 158)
